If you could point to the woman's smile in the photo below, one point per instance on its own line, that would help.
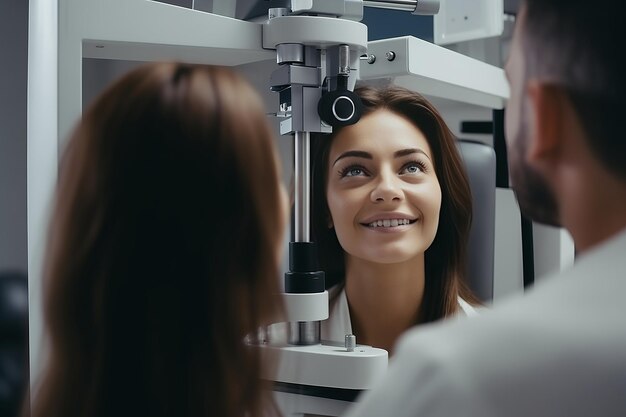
(389, 223)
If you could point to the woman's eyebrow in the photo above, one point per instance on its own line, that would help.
(405, 152)
(358, 154)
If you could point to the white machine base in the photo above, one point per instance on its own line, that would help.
(323, 379)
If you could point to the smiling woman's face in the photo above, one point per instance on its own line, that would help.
(383, 194)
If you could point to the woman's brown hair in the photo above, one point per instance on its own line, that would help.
(445, 259)
(163, 250)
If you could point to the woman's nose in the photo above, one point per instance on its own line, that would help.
(387, 189)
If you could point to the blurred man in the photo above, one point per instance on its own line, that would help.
(560, 350)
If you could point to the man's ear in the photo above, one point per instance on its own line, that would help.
(547, 109)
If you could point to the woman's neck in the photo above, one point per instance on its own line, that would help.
(384, 299)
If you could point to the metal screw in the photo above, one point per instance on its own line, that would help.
(371, 58)
(391, 55)
(350, 342)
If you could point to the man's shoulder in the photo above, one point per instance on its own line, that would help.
(563, 336)
(573, 308)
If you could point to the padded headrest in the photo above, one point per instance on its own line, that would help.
(480, 163)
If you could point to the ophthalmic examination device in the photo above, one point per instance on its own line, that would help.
(319, 45)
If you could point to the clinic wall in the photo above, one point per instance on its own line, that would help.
(99, 73)
(13, 79)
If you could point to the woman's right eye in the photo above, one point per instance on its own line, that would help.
(352, 171)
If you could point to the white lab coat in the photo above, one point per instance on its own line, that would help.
(338, 324)
(558, 351)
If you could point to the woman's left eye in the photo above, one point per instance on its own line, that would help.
(413, 168)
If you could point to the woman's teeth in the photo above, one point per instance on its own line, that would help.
(389, 223)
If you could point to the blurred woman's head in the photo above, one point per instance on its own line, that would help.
(164, 249)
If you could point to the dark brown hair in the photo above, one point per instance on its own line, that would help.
(572, 43)
(445, 259)
(163, 250)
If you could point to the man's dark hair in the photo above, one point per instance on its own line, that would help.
(576, 45)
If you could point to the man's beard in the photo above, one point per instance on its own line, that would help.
(533, 194)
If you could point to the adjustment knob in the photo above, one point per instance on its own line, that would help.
(340, 108)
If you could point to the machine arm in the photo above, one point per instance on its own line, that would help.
(421, 7)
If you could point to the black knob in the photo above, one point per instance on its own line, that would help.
(341, 107)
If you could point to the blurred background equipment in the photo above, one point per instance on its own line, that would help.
(13, 341)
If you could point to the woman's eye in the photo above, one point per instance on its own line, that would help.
(413, 168)
(353, 171)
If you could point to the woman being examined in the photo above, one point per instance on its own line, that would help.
(391, 215)
(164, 250)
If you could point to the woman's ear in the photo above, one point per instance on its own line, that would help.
(330, 221)
(547, 108)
